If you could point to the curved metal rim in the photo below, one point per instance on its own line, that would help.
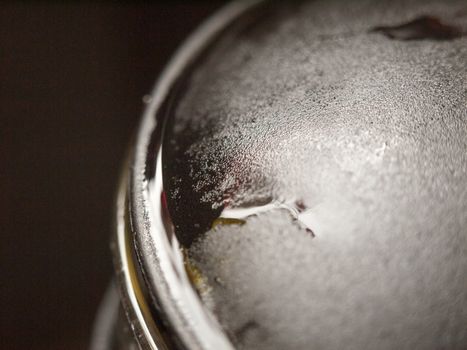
(136, 308)
(169, 287)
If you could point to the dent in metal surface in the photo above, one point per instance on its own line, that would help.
(425, 27)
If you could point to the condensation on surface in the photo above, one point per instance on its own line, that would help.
(371, 135)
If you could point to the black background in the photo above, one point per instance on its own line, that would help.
(72, 77)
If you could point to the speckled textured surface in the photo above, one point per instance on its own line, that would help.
(371, 135)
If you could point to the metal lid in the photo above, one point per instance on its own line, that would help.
(311, 160)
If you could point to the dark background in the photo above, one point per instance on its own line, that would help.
(72, 78)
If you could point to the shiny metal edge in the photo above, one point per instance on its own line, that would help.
(162, 264)
(132, 299)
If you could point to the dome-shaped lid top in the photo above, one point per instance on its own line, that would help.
(314, 162)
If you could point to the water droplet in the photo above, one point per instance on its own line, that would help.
(380, 150)
(147, 99)
(219, 281)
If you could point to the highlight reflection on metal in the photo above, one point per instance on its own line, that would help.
(178, 308)
(133, 300)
